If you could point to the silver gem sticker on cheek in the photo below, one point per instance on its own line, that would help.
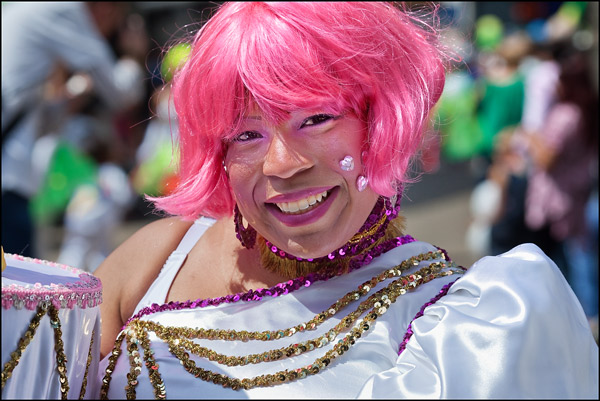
(347, 163)
(361, 183)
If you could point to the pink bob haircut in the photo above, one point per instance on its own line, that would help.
(375, 59)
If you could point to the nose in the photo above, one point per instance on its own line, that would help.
(283, 160)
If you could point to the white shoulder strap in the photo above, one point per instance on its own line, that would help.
(157, 293)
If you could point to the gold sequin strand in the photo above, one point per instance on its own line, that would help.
(176, 338)
(59, 348)
(135, 337)
(135, 363)
(395, 289)
(179, 337)
(87, 367)
(243, 335)
(24, 341)
(61, 359)
(155, 378)
(112, 361)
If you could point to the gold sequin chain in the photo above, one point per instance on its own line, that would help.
(386, 296)
(243, 335)
(61, 359)
(24, 341)
(87, 366)
(179, 339)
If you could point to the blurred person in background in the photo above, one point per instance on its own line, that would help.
(95, 202)
(588, 281)
(37, 40)
(99, 202)
(455, 118)
(501, 90)
(564, 154)
(542, 70)
(496, 203)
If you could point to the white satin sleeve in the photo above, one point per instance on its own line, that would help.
(511, 327)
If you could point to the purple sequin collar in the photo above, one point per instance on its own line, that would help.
(279, 289)
(384, 211)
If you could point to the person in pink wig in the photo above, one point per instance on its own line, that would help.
(282, 269)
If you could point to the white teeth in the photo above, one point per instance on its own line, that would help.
(302, 204)
(292, 207)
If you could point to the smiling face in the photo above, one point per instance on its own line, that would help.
(288, 182)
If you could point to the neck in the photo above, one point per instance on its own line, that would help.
(383, 224)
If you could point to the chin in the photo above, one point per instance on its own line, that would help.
(314, 247)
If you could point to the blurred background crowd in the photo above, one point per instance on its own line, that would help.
(88, 129)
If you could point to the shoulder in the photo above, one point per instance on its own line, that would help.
(518, 307)
(510, 327)
(521, 263)
(136, 262)
(128, 272)
(522, 284)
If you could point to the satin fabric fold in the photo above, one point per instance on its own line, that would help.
(510, 328)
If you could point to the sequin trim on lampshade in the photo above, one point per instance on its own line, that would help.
(84, 292)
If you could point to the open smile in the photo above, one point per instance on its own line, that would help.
(304, 210)
(303, 205)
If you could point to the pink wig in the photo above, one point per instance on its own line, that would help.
(383, 63)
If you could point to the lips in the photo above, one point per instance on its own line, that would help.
(303, 207)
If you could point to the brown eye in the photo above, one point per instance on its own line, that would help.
(316, 119)
(247, 136)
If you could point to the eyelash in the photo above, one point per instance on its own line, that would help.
(316, 120)
(250, 135)
(320, 117)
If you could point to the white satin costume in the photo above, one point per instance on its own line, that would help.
(511, 327)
